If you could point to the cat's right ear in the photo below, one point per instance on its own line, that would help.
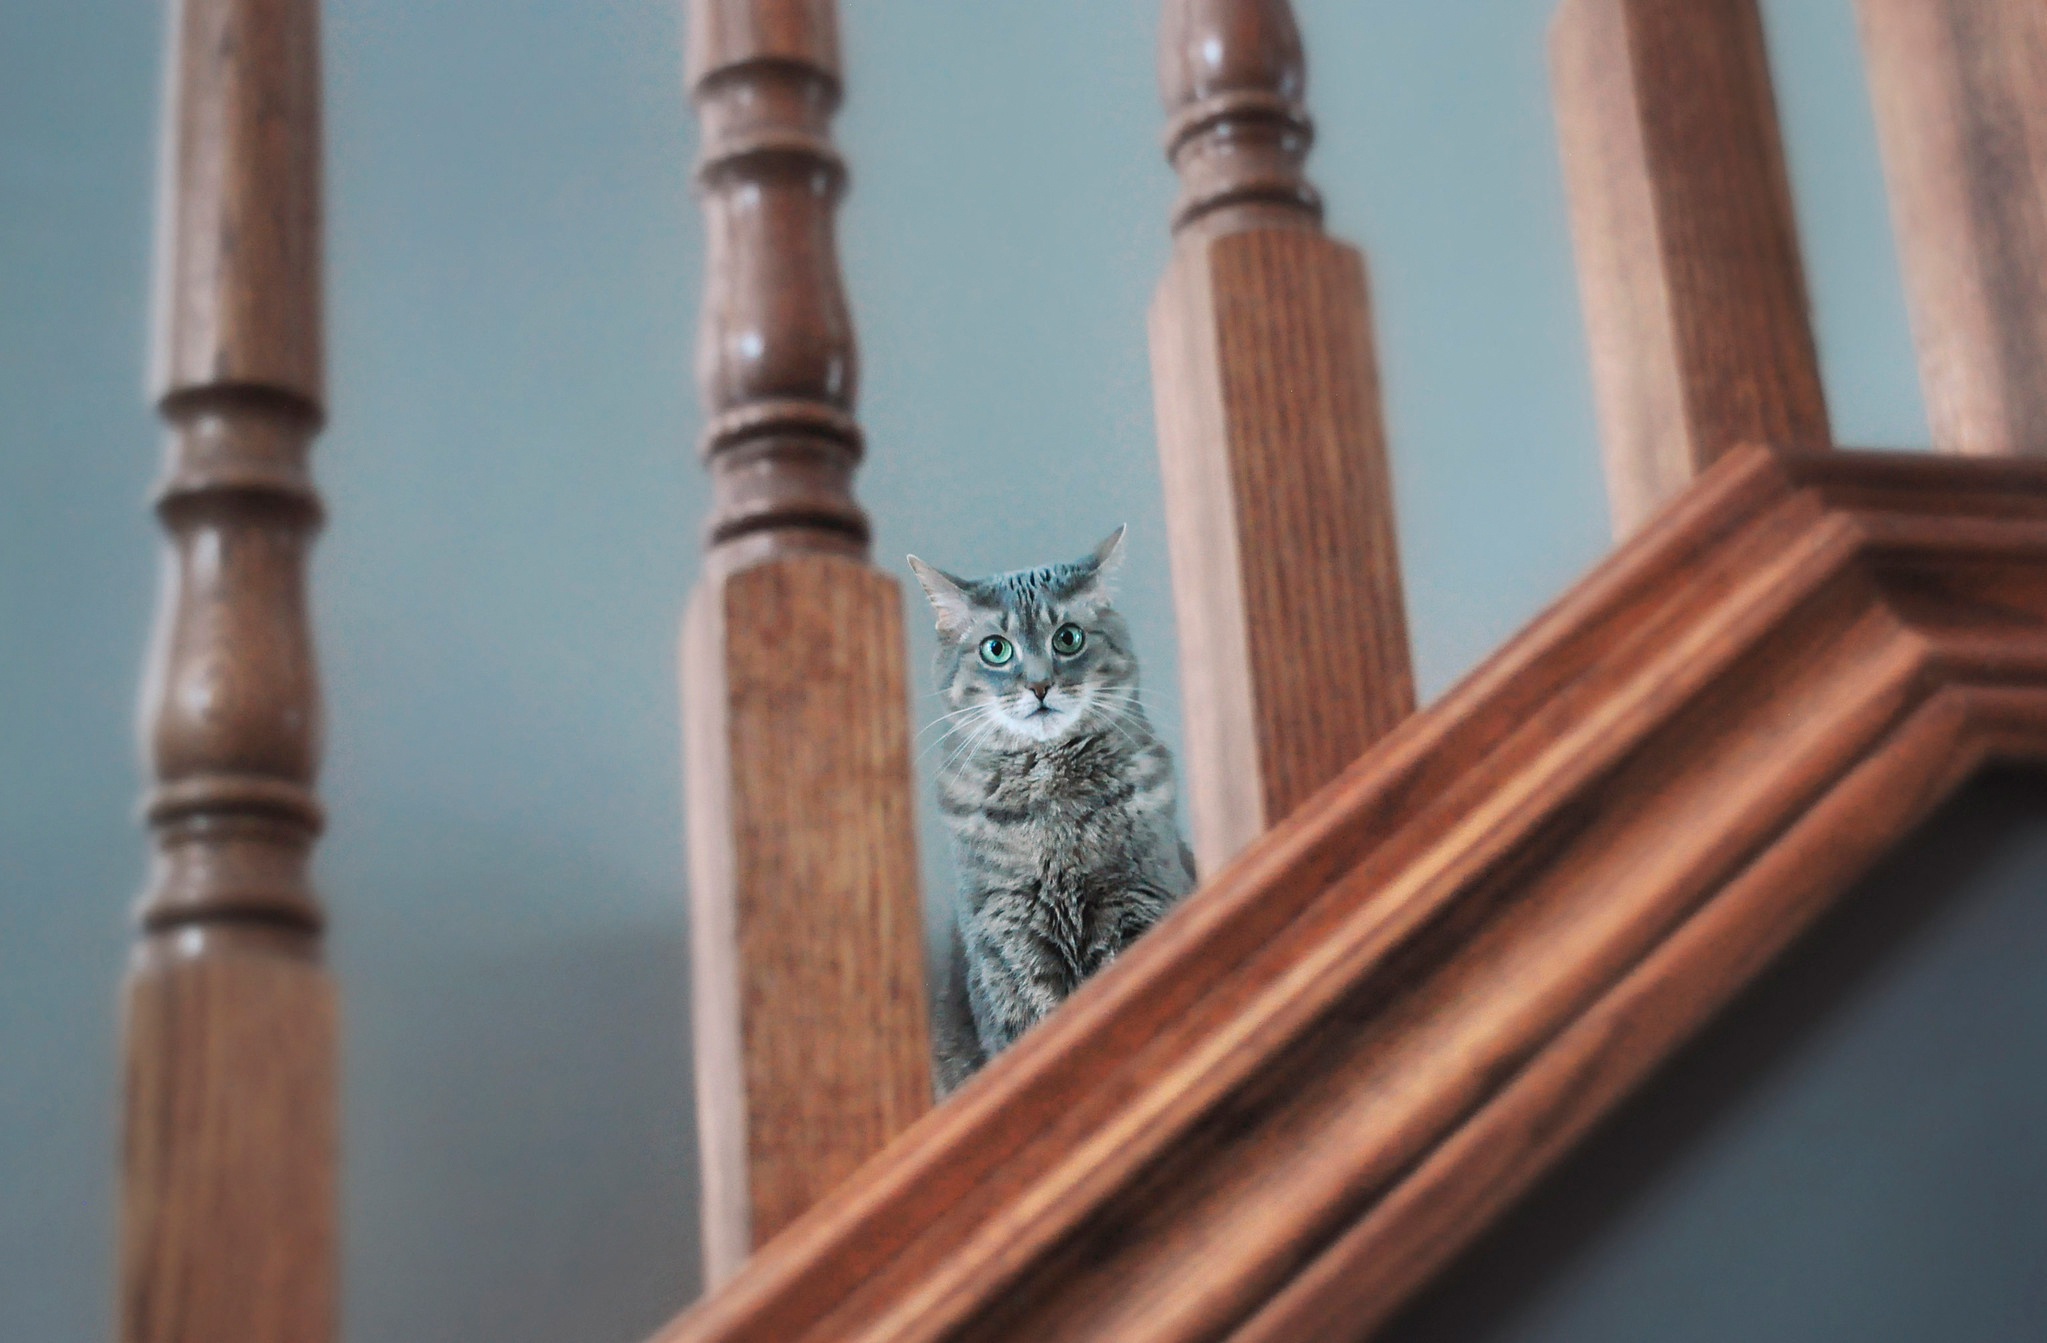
(948, 598)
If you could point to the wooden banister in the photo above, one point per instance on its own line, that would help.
(807, 947)
(1688, 264)
(228, 1203)
(1293, 634)
(1960, 88)
(1331, 1067)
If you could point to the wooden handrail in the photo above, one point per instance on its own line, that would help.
(228, 1203)
(1279, 506)
(1688, 262)
(1332, 1066)
(806, 930)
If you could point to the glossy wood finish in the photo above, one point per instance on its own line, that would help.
(228, 1200)
(1324, 1074)
(1688, 264)
(809, 1012)
(1293, 635)
(1960, 88)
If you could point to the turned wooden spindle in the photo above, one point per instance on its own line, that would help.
(775, 355)
(1688, 264)
(1293, 637)
(809, 1012)
(228, 1207)
(1960, 88)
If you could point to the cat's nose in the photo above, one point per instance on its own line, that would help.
(1041, 689)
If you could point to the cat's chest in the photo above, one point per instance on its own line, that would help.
(1064, 835)
(1054, 798)
(1048, 819)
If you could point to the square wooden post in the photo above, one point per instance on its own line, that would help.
(1960, 88)
(1688, 261)
(1293, 634)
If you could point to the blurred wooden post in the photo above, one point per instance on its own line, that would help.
(1688, 259)
(811, 1035)
(228, 1207)
(1960, 88)
(1293, 637)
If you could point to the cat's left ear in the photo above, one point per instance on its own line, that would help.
(1103, 565)
(948, 598)
(1109, 554)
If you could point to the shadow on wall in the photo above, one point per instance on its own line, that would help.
(521, 1163)
(1852, 1152)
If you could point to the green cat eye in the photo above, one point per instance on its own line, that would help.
(996, 650)
(1068, 640)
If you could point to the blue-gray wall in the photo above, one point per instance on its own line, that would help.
(515, 508)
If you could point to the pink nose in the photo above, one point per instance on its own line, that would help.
(1041, 689)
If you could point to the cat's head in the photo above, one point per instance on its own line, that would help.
(1037, 655)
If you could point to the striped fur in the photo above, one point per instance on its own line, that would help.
(1058, 795)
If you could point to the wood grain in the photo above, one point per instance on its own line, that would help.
(801, 868)
(1293, 633)
(812, 1046)
(1331, 1067)
(229, 1230)
(1960, 88)
(1688, 265)
(228, 1195)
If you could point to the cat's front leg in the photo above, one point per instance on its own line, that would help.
(1126, 919)
(1013, 981)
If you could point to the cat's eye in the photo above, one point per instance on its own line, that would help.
(996, 650)
(1068, 640)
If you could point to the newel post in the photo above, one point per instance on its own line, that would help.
(807, 944)
(1688, 261)
(1293, 636)
(228, 1203)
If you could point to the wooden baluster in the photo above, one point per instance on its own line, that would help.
(811, 1038)
(1294, 654)
(1687, 249)
(228, 1213)
(1960, 88)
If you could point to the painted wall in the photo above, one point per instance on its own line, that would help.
(515, 508)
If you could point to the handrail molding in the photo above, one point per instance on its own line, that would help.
(1333, 1065)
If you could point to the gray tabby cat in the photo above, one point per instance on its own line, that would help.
(1058, 795)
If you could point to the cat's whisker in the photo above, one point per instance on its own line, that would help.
(1117, 723)
(933, 747)
(946, 727)
(1124, 700)
(962, 731)
(945, 718)
(966, 749)
(988, 725)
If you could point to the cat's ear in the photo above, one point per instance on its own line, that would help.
(1101, 567)
(1109, 556)
(948, 598)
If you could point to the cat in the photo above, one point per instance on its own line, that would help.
(1058, 795)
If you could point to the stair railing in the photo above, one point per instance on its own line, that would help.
(1451, 953)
